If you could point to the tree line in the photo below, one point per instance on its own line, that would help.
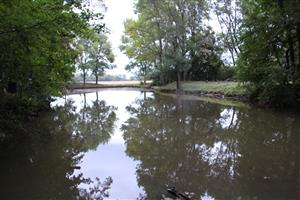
(257, 43)
(43, 42)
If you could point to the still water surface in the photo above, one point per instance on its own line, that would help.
(146, 142)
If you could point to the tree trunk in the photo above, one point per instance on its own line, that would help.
(2, 81)
(232, 56)
(292, 55)
(298, 38)
(225, 37)
(161, 77)
(84, 73)
(184, 75)
(162, 82)
(96, 78)
(96, 74)
(145, 73)
(178, 82)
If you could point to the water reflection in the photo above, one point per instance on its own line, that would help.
(96, 121)
(39, 156)
(213, 151)
(206, 151)
(116, 163)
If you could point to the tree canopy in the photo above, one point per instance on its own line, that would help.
(258, 39)
(95, 55)
(42, 41)
(37, 54)
(172, 39)
(270, 50)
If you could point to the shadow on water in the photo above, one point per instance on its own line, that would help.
(212, 151)
(39, 157)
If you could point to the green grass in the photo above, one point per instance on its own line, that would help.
(221, 87)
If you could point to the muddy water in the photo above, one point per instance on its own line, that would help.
(139, 144)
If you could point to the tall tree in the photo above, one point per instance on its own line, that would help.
(101, 55)
(84, 47)
(169, 36)
(229, 16)
(138, 44)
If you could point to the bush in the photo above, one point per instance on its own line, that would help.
(226, 74)
(278, 96)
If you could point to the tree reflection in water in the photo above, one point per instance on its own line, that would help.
(96, 121)
(39, 156)
(213, 151)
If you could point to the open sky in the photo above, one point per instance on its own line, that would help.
(117, 12)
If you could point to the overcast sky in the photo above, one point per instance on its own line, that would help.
(117, 12)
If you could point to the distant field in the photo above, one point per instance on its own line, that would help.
(116, 83)
(106, 84)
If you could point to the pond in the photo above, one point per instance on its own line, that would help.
(136, 145)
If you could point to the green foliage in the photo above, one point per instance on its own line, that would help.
(101, 55)
(95, 55)
(270, 56)
(83, 46)
(137, 44)
(171, 41)
(206, 60)
(36, 45)
(226, 73)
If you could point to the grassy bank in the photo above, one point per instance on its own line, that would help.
(225, 102)
(213, 89)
